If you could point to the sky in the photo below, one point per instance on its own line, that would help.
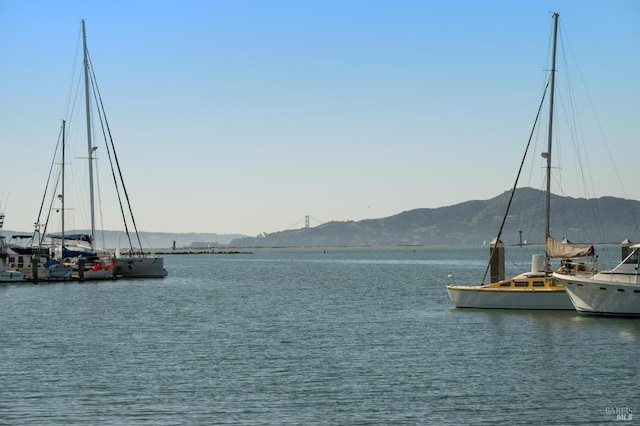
(245, 116)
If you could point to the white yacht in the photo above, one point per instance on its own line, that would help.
(611, 292)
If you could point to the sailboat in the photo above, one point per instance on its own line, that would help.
(135, 263)
(537, 288)
(73, 255)
(611, 292)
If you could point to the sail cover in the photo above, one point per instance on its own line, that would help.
(77, 253)
(74, 237)
(566, 250)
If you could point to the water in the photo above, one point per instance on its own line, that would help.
(335, 336)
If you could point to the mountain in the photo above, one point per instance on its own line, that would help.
(599, 220)
(580, 220)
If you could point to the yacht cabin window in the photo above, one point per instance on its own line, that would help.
(633, 258)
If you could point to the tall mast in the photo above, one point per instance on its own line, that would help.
(89, 143)
(547, 233)
(61, 196)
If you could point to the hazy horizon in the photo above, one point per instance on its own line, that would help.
(244, 117)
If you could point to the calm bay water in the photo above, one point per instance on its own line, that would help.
(334, 336)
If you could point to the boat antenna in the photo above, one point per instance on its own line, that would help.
(547, 155)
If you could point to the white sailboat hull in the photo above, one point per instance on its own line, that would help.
(140, 267)
(97, 272)
(11, 276)
(602, 297)
(489, 298)
(97, 275)
(58, 272)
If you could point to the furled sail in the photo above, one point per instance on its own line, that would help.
(566, 250)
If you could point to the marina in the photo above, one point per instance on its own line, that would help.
(46, 256)
(391, 121)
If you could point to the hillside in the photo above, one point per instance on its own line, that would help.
(605, 219)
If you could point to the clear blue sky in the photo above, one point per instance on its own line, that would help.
(245, 116)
